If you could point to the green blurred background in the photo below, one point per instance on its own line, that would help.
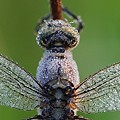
(99, 45)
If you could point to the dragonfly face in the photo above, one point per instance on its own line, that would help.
(57, 36)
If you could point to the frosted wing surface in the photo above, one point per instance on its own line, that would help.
(101, 91)
(18, 88)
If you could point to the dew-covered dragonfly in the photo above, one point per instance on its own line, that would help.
(56, 92)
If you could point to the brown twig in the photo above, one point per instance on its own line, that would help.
(56, 9)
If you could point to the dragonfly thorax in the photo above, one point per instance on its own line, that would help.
(57, 36)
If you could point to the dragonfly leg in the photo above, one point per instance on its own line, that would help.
(68, 12)
(77, 18)
(41, 21)
(37, 117)
(80, 118)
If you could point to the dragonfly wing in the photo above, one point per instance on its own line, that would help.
(101, 91)
(18, 88)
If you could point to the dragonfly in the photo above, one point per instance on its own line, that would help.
(57, 92)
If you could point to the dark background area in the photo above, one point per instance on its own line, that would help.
(99, 45)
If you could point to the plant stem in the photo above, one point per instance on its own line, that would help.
(56, 9)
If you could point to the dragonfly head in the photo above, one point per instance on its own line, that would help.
(58, 36)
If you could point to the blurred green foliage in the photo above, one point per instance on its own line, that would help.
(99, 45)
